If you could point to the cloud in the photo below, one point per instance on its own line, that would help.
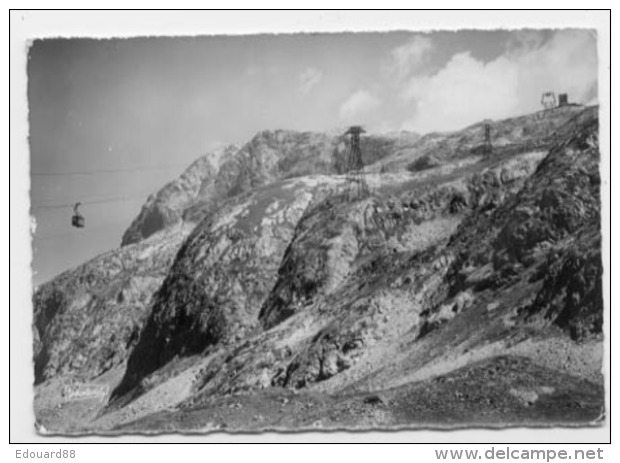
(308, 79)
(408, 57)
(523, 40)
(467, 90)
(358, 103)
(464, 91)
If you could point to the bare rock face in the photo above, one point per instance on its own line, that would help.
(165, 208)
(370, 271)
(87, 320)
(549, 232)
(221, 275)
(572, 294)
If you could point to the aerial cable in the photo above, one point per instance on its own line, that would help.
(106, 171)
(91, 230)
(94, 201)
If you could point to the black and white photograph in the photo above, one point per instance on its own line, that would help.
(316, 231)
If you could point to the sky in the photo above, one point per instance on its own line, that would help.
(111, 121)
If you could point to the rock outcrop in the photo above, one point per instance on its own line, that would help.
(221, 275)
(549, 233)
(165, 208)
(86, 320)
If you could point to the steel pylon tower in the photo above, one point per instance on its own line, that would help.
(488, 147)
(357, 188)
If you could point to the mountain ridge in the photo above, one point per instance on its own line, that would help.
(269, 282)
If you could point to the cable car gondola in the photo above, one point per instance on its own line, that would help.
(78, 219)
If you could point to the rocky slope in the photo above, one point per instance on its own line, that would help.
(269, 156)
(86, 320)
(165, 208)
(528, 132)
(222, 274)
(288, 306)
